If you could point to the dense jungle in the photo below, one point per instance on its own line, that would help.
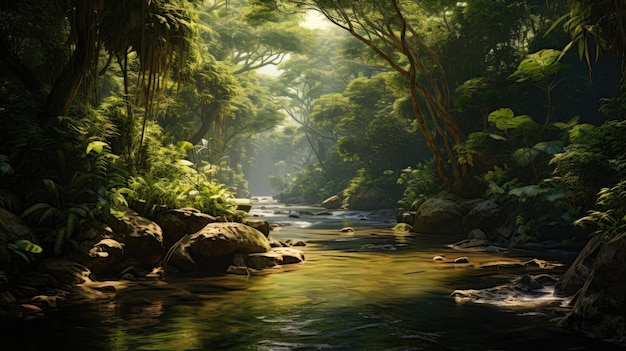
(152, 106)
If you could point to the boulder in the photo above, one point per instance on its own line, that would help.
(369, 199)
(261, 225)
(485, 215)
(95, 249)
(439, 216)
(578, 272)
(277, 256)
(213, 248)
(68, 273)
(177, 223)
(142, 238)
(600, 307)
(333, 202)
(103, 257)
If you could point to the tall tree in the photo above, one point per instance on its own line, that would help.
(156, 31)
(389, 29)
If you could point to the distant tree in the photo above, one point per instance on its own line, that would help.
(389, 28)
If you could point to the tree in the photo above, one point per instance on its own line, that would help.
(388, 29)
(596, 27)
(156, 31)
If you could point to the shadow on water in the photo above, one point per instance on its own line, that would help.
(370, 289)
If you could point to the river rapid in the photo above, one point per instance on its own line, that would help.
(372, 288)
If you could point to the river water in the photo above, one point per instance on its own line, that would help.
(370, 289)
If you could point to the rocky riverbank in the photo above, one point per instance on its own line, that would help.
(106, 257)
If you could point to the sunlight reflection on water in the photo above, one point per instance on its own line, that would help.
(371, 289)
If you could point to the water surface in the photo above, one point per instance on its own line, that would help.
(370, 289)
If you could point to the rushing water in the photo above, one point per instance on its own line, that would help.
(371, 289)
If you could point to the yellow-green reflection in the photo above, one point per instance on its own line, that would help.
(371, 267)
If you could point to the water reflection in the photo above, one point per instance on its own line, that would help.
(371, 289)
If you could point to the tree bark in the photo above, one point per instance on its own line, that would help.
(67, 84)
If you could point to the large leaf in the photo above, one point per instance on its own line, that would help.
(96, 146)
(549, 147)
(504, 119)
(26, 246)
(185, 145)
(524, 156)
(538, 66)
(503, 113)
(567, 125)
(525, 191)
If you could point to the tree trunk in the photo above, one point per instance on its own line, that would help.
(67, 84)
(17, 67)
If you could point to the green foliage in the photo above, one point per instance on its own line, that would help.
(22, 247)
(312, 184)
(171, 181)
(609, 217)
(419, 183)
(8, 198)
(593, 159)
(505, 120)
(544, 212)
(538, 66)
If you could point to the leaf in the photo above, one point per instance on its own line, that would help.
(525, 191)
(549, 147)
(504, 119)
(96, 146)
(59, 240)
(496, 137)
(27, 246)
(500, 113)
(566, 125)
(185, 145)
(524, 156)
(22, 255)
(186, 163)
(34, 208)
(538, 65)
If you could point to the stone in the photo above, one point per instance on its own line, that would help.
(600, 308)
(333, 202)
(66, 272)
(261, 225)
(578, 272)
(264, 260)
(485, 215)
(238, 270)
(277, 256)
(407, 217)
(142, 238)
(103, 256)
(439, 216)
(290, 255)
(213, 248)
(369, 199)
(179, 222)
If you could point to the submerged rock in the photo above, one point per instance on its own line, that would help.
(525, 290)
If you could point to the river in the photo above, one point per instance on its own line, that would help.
(370, 289)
